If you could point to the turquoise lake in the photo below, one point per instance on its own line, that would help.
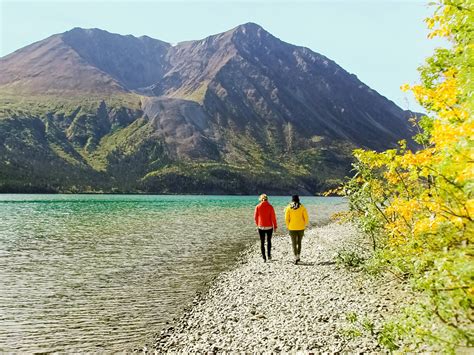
(106, 272)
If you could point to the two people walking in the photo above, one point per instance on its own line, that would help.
(296, 219)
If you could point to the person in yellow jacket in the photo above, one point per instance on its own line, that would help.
(296, 219)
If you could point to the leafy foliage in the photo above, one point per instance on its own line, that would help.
(349, 259)
(359, 325)
(418, 207)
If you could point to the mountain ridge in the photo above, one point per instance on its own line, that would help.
(235, 112)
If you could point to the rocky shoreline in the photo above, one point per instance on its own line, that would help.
(315, 306)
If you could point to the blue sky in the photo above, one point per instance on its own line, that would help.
(381, 41)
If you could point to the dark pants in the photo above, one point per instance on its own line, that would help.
(269, 233)
(296, 238)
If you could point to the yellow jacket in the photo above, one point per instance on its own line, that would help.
(296, 219)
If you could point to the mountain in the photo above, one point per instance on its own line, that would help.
(84, 61)
(236, 112)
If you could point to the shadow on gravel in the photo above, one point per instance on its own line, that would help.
(323, 263)
(307, 263)
(301, 263)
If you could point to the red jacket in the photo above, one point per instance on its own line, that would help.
(265, 215)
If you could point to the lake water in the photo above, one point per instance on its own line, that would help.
(106, 272)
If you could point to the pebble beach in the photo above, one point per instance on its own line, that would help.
(277, 306)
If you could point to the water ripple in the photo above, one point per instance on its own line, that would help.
(106, 272)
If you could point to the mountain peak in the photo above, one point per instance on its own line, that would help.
(249, 28)
(86, 31)
(251, 34)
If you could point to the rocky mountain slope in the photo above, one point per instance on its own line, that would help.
(236, 112)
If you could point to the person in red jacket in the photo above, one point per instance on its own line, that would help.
(266, 222)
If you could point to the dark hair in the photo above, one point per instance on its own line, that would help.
(295, 199)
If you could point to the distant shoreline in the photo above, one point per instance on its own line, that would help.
(155, 194)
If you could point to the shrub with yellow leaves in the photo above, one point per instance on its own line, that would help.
(418, 206)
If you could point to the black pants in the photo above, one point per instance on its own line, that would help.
(269, 233)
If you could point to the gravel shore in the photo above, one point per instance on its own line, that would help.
(315, 306)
